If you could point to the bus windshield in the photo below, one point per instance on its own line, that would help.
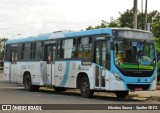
(134, 54)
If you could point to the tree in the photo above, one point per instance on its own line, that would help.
(2, 44)
(89, 28)
(157, 44)
(126, 19)
(113, 23)
(156, 28)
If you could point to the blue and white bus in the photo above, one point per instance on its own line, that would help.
(109, 59)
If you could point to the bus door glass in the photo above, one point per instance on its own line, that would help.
(50, 57)
(13, 72)
(102, 60)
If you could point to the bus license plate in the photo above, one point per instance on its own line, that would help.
(138, 89)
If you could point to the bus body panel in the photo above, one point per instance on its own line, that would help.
(6, 75)
(66, 73)
(116, 85)
(13, 73)
(49, 79)
(153, 85)
(34, 68)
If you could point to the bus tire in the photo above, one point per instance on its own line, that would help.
(59, 89)
(28, 84)
(85, 88)
(122, 94)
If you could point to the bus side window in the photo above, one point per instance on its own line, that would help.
(7, 53)
(14, 50)
(21, 50)
(62, 49)
(27, 51)
(84, 47)
(67, 48)
(79, 49)
(39, 50)
(74, 49)
(33, 47)
(108, 54)
(49, 54)
(58, 49)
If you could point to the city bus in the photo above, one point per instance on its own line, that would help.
(117, 60)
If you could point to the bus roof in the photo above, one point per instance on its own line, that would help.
(57, 35)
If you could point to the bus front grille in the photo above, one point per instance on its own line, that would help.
(138, 86)
(137, 73)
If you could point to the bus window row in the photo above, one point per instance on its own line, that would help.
(77, 48)
(24, 51)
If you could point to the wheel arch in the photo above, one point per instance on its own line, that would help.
(26, 73)
(79, 77)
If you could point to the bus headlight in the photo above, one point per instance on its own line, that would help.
(118, 78)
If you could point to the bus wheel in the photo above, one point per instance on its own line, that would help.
(122, 94)
(85, 88)
(59, 89)
(28, 84)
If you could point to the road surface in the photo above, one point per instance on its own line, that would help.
(16, 94)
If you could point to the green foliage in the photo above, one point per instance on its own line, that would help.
(157, 44)
(158, 78)
(159, 65)
(113, 24)
(2, 44)
(89, 28)
(156, 28)
(126, 20)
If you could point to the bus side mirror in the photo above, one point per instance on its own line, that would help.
(112, 45)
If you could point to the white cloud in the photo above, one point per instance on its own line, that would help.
(30, 17)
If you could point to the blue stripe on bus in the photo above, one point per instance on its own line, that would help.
(66, 74)
(89, 32)
(28, 39)
(66, 35)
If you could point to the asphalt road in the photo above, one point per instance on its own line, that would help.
(16, 94)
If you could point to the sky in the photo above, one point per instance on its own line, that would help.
(23, 18)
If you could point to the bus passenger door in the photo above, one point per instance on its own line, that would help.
(13, 72)
(50, 57)
(101, 72)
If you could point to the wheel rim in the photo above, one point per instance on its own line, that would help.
(85, 87)
(28, 83)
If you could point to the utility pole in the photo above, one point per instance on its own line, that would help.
(145, 28)
(135, 14)
(142, 6)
